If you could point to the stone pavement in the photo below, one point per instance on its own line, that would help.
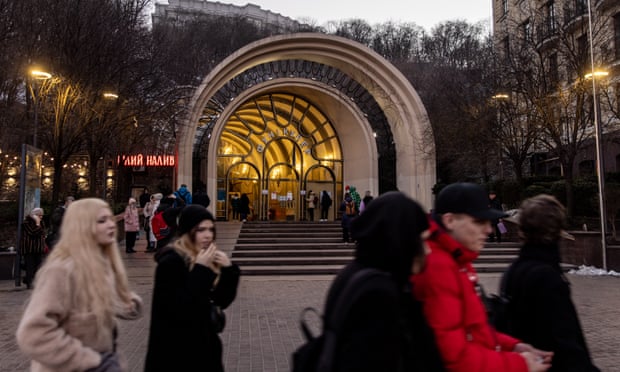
(262, 324)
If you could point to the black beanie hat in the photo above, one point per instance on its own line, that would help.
(191, 216)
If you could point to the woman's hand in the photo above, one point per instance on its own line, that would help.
(222, 260)
(206, 257)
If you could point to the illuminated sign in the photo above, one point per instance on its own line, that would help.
(141, 160)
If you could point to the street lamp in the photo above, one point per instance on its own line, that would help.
(498, 98)
(599, 150)
(36, 74)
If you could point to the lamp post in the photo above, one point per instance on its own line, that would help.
(497, 98)
(36, 75)
(598, 137)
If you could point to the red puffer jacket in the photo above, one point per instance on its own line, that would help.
(456, 314)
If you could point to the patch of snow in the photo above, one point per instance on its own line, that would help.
(592, 271)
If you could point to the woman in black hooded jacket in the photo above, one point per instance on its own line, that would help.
(384, 330)
(541, 311)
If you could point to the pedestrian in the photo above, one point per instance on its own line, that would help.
(56, 221)
(33, 246)
(365, 201)
(149, 212)
(132, 225)
(183, 196)
(326, 203)
(449, 291)
(494, 202)
(312, 201)
(201, 197)
(144, 198)
(70, 322)
(356, 197)
(349, 211)
(234, 205)
(540, 310)
(244, 207)
(191, 278)
(378, 331)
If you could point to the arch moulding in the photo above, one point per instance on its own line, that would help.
(415, 155)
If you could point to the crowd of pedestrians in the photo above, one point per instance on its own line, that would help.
(419, 308)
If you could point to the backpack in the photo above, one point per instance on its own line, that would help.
(318, 352)
(350, 208)
(159, 226)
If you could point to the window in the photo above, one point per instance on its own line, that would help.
(581, 6)
(617, 35)
(582, 47)
(553, 69)
(618, 97)
(527, 31)
(504, 7)
(550, 16)
(506, 47)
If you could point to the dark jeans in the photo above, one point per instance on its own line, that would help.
(496, 235)
(130, 240)
(311, 214)
(32, 263)
(324, 212)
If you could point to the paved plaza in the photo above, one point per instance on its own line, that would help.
(262, 324)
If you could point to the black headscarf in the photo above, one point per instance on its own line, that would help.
(388, 234)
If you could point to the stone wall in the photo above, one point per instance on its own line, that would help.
(586, 250)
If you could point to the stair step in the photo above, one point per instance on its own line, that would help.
(292, 261)
(291, 239)
(292, 253)
(292, 246)
(292, 270)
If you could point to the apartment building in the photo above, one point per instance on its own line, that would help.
(546, 56)
(182, 10)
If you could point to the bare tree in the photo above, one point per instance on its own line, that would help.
(544, 57)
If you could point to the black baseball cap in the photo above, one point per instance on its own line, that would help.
(466, 198)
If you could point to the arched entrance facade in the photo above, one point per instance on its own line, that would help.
(294, 113)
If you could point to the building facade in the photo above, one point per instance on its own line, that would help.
(294, 113)
(547, 50)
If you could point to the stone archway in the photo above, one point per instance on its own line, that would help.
(408, 122)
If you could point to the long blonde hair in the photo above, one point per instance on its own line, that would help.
(186, 247)
(91, 261)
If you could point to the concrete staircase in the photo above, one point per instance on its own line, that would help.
(316, 248)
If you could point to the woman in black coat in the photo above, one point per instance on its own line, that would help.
(191, 277)
(377, 334)
(541, 311)
(32, 246)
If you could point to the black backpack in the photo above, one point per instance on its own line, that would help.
(318, 352)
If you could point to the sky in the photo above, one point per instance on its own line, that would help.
(424, 13)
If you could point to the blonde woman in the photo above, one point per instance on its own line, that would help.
(70, 320)
(192, 277)
(132, 225)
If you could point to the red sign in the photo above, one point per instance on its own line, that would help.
(141, 160)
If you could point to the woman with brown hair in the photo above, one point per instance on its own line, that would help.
(193, 280)
(70, 322)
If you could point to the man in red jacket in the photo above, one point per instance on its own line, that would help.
(459, 227)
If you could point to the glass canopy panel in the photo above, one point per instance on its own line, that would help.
(285, 137)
